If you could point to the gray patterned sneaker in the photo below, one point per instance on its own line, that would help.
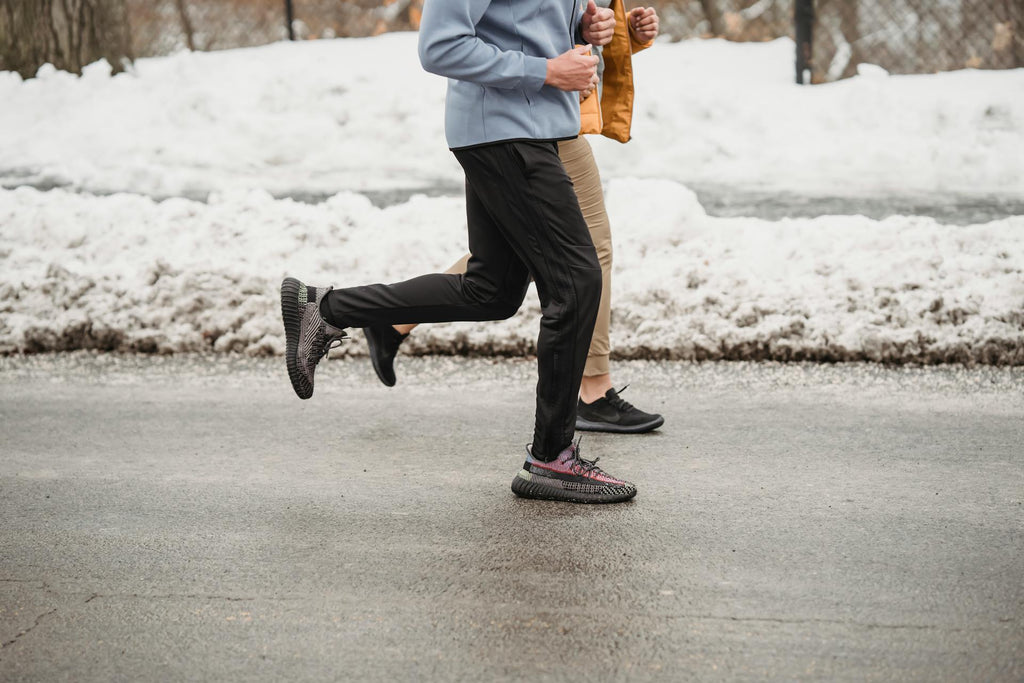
(569, 478)
(308, 337)
(611, 414)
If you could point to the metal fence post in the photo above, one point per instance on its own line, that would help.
(289, 16)
(803, 18)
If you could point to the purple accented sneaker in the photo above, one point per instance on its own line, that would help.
(569, 478)
(308, 337)
(383, 343)
(611, 414)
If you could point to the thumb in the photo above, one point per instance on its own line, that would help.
(582, 49)
(591, 7)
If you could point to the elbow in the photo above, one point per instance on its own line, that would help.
(425, 58)
(443, 55)
(429, 54)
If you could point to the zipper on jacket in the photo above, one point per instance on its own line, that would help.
(572, 24)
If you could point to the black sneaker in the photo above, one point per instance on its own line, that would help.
(571, 479)
(612, 414)
(384, 343)
(308, 337)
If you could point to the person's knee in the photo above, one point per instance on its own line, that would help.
(506, 308)
(502, 301)
(510, 298)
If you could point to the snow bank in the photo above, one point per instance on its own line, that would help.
(124, 272)
(321, 117)
(118, 270)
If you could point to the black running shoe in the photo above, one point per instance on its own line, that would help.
(571, 479)
(384, 343)
(612, 414)
(308, 337)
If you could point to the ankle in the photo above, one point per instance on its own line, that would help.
(594, 388)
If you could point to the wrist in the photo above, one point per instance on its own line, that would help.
(537, 71)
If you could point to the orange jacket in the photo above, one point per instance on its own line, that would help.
(612, 115)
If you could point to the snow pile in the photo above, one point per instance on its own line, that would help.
(291, 118)
(322, 117)
(102, 264)
(715, 112)
(124, 272)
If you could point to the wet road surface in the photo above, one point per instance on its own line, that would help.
(189, 518)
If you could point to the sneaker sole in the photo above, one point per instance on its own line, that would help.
(584, 425)
(292, 316)
(529, 488)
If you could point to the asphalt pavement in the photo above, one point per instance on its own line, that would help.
(188, 518)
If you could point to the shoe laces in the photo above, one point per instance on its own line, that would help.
(332, 343)
(581, 466)
(619, 403)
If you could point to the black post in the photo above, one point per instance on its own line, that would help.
(289, 16)
(803, 18)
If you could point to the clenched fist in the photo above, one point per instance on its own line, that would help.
(575, 70)
(598, 24)
(644, 23)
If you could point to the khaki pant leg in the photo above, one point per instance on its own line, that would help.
(578, 159)
(459, 267)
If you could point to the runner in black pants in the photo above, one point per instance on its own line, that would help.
(511, 98)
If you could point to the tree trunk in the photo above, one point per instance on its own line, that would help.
(186, 25)
(68, 34)
(850, 26)
(713, 16)
(1015, 18)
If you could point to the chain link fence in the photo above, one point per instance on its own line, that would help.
(738, 20)
(915, 36)
(160, 27)
(902, 36)
(163, 26)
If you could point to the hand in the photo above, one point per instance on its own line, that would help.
(573, 70)
(584, 94)
(598, 24)
(644, 22)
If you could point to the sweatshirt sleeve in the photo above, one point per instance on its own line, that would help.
(448, 46)
(634, 44)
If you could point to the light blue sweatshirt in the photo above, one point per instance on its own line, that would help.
(494, 54)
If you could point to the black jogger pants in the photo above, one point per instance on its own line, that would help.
(524, 221)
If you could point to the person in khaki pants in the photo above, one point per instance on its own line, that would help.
(606, 110)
